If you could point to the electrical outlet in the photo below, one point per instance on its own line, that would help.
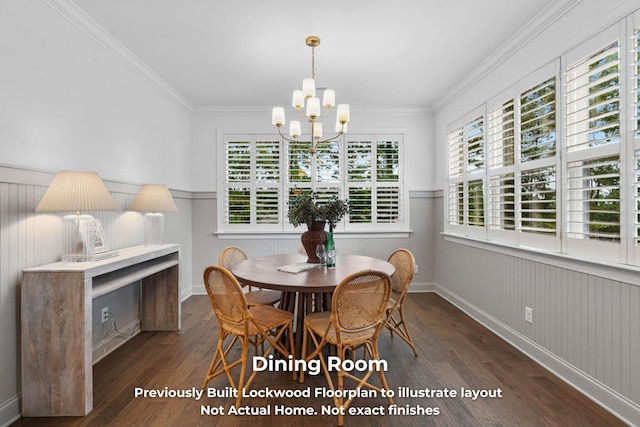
(105, 314)
(415, 269)
(528, 314)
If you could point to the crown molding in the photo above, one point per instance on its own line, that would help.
(545, 18)
(79, 18)
(401, 111)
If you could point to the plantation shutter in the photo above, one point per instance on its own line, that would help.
(374, 181)
(501, 140)
(252, 183)
(474, 139)
(388, 204)
(537, 200)
(466, 161)
(238, 175)
(267, 192)
(593, 123)
(635, 59)
(359, 175)
(538, 122)
(455, 144)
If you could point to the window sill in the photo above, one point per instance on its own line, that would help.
(608, 270)
(283, 235)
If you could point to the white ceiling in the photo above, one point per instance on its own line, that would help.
(252, 53)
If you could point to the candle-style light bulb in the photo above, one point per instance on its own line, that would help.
(277, 116)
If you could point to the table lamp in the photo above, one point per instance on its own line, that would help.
(153, 199)
(75, 191)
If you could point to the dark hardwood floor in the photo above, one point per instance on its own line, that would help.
(455, 352)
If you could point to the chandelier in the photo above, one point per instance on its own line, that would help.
(313, 108)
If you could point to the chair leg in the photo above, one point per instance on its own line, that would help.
(219, 357)
(243, 366)
(405, 332)
(376, 356)
(400, 328)
(303, 356)
(339, 402)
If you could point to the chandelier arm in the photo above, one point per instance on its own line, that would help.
(326, 112)
(324, 141)
(286, 137)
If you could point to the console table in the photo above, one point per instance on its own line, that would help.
(56, 315)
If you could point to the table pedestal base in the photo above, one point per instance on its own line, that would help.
(301, 304)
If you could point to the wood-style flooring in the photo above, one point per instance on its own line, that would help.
(454, 352)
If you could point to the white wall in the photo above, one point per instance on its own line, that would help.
(586, 324)
(68, 103)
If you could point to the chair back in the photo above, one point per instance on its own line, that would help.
(404, 262)
(360, 300)
(230, 256)
(225, 294)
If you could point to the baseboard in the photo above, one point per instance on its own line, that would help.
(115, 340)
(10, 411)
(418, 287)
(620, 406)
(185, 294)
(198, 290)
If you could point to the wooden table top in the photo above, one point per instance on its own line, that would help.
(263, 272)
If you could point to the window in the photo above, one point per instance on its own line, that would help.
(260, 172)
(563, 155)
(466, 172)
(252, 184)
(593, 141)
(501, 136)
(635, 131)
(522, 170)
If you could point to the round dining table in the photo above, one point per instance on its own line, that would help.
(306, 291)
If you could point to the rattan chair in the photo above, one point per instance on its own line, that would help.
(237, 321)
(355, 320)
(232, 255)
(404, 262)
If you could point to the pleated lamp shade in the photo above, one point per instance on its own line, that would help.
(74, 191)
(153, 199)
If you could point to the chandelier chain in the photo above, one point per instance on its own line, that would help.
(313, 62)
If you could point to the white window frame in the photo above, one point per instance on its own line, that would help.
(610, 251)
(566, 242)
(285, 186)
(464, 177)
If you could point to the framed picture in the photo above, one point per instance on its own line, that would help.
(100, 242)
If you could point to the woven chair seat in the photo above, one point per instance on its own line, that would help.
(262, 297)
(318, 323)
(265, 317)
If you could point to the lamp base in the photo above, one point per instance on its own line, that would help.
(78, 238)
(153, 229)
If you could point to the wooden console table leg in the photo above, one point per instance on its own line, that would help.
(57, 365)
(161, 301)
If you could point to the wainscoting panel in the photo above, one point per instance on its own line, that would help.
(28, 239)
(588, 325)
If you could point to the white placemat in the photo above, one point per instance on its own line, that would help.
(297, 267)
